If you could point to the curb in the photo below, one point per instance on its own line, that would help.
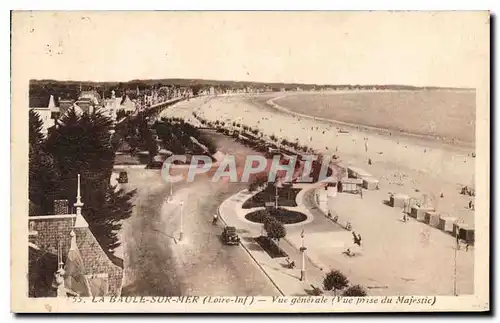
(313, 262)
(326, 216)
(251, 256)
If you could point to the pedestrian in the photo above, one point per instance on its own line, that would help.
(470, 204)
(467, 247)
(361, 192)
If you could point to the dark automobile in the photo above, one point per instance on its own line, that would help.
(123, 178)
(229, 236)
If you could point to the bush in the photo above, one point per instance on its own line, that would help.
(354, 291)
(335, 280)
(281, 215)
(270, 247)
(258, 181)
(275, 230)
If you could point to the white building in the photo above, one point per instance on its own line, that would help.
(114, 104)
(48, 115)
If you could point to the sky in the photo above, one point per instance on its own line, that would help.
(413, 48)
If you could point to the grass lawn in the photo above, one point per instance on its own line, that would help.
(282, 215)
(270, 247)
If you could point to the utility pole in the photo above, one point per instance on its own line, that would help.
(276, 180)
(303, 252)
(457, 245)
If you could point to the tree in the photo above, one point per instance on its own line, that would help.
(258, 181)
(36, 137)
(42, 182)
(116, 208)
(82, 145)
(275, 230)
(335, 280)
(354, 291)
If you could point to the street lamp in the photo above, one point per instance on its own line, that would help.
(181, 233)
(303, 252)
(276, 196)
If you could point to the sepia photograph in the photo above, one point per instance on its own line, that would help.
(250, 161)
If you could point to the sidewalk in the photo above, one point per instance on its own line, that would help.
(286, 280)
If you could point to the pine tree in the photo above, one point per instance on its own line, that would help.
(108, 220)
(42, 182)
(36, 137)
(82, 145)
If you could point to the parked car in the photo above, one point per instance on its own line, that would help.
(230, 237)
(123, 178)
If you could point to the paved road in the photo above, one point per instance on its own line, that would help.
(158, 264)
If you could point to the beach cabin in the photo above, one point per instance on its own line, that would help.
(370, 183)
(418, 212)
(432, 218)
(355, 172)
(446, 223)
(399, 200)
(350, 185)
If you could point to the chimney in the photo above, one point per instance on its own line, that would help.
(32, 233)
(61, 207)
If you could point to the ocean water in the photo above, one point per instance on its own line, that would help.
(441, 114)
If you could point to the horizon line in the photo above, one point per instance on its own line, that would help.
(194, 80)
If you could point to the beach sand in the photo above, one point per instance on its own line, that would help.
(412, 165)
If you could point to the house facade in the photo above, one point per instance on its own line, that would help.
(65, 258)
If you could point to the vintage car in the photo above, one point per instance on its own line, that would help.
(123, 178)
(229, 236)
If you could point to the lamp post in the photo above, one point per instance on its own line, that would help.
(170, 197)
(276, 197)
(303, 252)
(181, 233)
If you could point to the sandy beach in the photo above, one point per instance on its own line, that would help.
(407, 164)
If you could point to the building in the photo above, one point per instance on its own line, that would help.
(114, 104)
(47, 111)
(65, 258)
(127, 105)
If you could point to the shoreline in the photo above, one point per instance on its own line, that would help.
(449, 163)
(430, 141)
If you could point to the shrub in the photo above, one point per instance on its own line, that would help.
(275, 230)
(354, 291)
(335, 280)
(258, 181)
